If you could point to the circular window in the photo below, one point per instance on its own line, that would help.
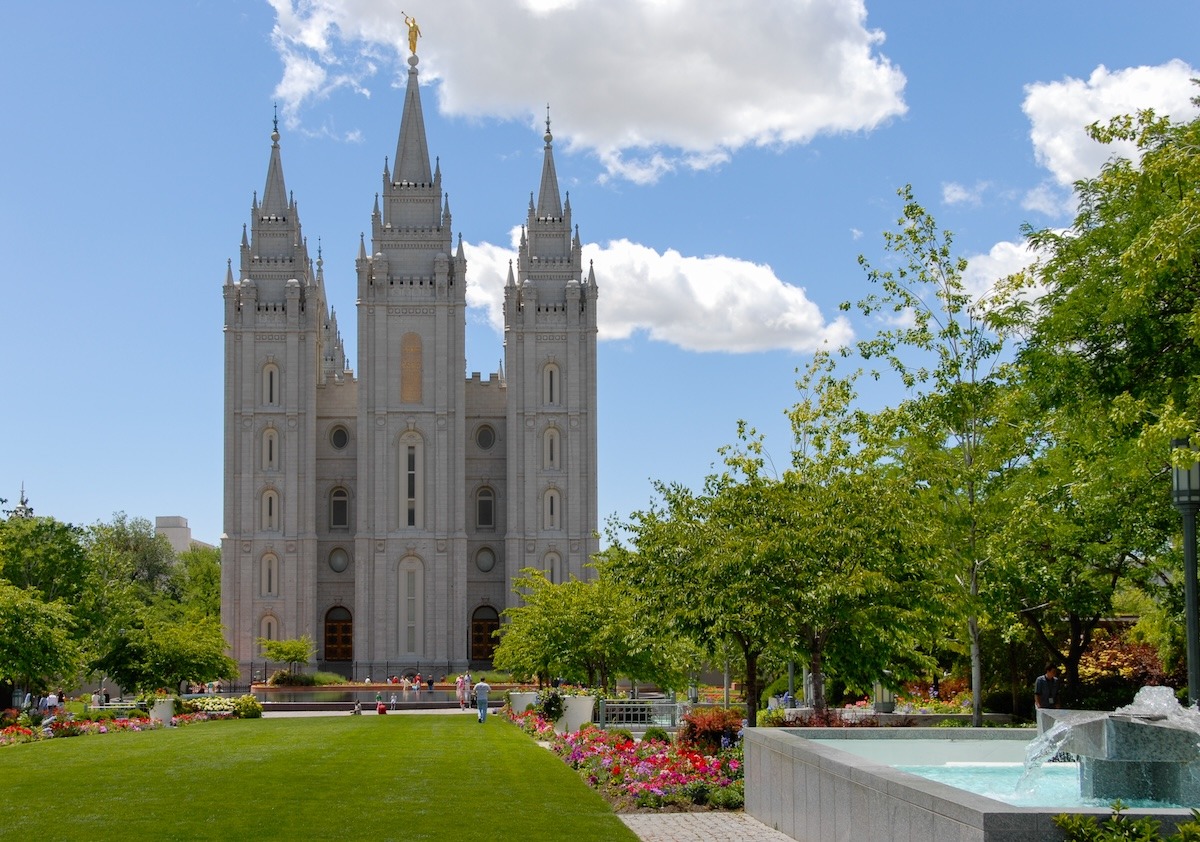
(339, 560)
(485, 560)
(485, 437)
(339, 437)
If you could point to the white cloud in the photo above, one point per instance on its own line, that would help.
(1060, 111)
(647, 87)
(697, 303)
(984, 270)
(954, 193)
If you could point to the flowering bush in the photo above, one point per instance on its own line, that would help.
(653, 774)
(533, 724)
(711, 729)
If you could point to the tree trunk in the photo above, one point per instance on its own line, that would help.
(976, 673)
(751, 683)
(816, 666)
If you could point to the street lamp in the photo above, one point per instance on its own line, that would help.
(1185, 487)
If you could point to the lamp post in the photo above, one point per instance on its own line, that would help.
(1185, 486)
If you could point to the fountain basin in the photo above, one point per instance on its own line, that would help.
(811, 790)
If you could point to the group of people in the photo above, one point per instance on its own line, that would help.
(478, 693)
(47, 704)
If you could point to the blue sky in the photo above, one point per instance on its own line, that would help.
(727, 163)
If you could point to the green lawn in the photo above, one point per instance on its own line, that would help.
(344, 777)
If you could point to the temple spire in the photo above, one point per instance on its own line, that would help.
(549, 204)
(412, 151)
(275, 195)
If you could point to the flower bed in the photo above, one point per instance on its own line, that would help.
(649, 774)
(22, 730)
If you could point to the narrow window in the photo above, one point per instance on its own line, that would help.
(552, 505)
(410, 484)
(270, 445)
(269, 583)
(485, 509)
(550, 449)
(411, 601)
(339, 509)
(268, 628)
(271, 384)
(270, 511)
(552, 565)
(550, 384)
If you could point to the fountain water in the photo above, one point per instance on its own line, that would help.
(1149, 749)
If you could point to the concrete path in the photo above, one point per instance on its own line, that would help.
(700, 827)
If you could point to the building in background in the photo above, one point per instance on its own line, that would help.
(387, 515)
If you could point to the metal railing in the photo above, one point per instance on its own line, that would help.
(637, 714)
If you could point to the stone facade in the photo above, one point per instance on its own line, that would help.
(387, 515)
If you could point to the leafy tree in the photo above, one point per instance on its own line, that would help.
(46, 555)
(294, 652)
(161, 650)
(36, 646)
(947, 436)
(196, 581)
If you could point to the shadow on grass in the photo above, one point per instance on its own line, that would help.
(346, 777)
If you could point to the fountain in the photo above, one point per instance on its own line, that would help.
(1147, 750)
(820, 783)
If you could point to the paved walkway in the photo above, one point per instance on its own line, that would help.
(700, 827)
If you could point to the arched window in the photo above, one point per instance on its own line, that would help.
(269, 628)
(270, 511)
(552, 564)
(269, 575)
(552, 509)
(270, 449)
(411, 605)
(339, 634)
(551, 384)
(339, 509)
(485, 509)
(410, 368)
(484, 623)
(412, 480)
(271, 385)
(551, 449)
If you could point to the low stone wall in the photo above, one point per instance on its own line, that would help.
(816, 793)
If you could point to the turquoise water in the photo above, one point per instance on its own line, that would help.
(1054, 785)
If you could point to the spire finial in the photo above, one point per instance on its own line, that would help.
(549, 137)
(275, 125)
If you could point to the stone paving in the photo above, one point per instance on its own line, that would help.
(700, 827)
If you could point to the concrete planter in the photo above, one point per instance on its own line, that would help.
(520, 701)
(577, 713)
(162, 710)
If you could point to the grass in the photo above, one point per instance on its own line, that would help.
(346, 777)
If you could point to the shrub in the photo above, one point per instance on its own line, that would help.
(248, 707)
(731, 797)
(1081, 828)
(322, 679)
(550, 705)
(772, 718)
(620, 734)
(284, 678)
(707, 730)
(655, 734)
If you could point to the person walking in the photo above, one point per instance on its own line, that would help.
(460, 691)
(482, 688)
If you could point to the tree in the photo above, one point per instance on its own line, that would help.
(295, 652)
(161, 650)
(196, 581)
(942, 344)
(36, 646)
(46, 555)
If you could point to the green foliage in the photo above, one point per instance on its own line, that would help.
(160, 650)
(656, 734)
(772, 718)
(620, 733)
(43, 649)
(550, 705)
(1083, 828)
(248, 707)
(196, 581)
(294, 652)
(287, 678)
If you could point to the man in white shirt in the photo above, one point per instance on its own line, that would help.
(481, 698)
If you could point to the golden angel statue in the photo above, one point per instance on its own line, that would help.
(414, 32)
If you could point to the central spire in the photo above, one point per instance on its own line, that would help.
(549, 204)
(412, 151)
